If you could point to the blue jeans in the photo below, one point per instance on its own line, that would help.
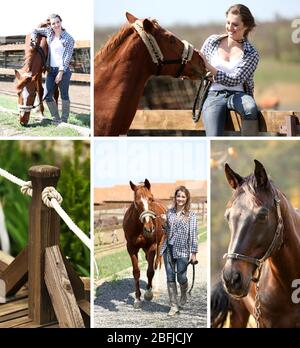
(63, 85)
(217, 105)
(180, 266)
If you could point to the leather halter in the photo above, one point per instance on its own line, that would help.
(275, 244)
(146, 213)
(156, 54)
(28, 108)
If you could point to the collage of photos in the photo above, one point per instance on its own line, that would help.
(149, 167)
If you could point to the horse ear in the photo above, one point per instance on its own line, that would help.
(148, 26)
(133, 187)
(260, 174)
(233, 178)
(130, 17)
(18, 75)
(147, 184)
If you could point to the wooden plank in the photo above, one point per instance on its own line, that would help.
(13, 307)
(182, 119)
(5, 260)
(85, 306)
(14, 315)
(32, 325)
(21, 47)
(60, 290)
(15, 275)
(15, 322)
(44, 231)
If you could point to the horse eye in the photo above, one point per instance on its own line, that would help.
(262, 217)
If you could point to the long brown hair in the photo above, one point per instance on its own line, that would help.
(246, 16)
(187, 205)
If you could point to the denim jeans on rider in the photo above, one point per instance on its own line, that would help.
(63, 85)
(217, 105)
(180, 267)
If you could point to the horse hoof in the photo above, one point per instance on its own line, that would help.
(148, 296)
(137, 304)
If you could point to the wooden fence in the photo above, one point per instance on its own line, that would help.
(12, 57)
(179, 122)
(55, 291)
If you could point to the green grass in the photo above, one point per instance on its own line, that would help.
(36, 127)
(202, 234)
(271, 71)
(113, 263)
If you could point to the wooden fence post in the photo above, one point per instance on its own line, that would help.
(44, 231)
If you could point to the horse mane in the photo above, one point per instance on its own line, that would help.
(30, 52)
(113, 43)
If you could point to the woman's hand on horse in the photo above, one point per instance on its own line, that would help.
(59, 77)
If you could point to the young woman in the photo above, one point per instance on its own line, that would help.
(61, 45)
(180, 246)
(232, 60)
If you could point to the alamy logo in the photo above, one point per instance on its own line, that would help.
(296, 32)
(296, 293)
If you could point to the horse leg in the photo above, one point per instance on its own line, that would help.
(150, 272)
(40, 91)
(136, 274)
(239, 314)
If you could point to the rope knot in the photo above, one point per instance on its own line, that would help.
(26, 189)
(50, 193)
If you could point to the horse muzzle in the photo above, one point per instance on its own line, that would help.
(236, 280)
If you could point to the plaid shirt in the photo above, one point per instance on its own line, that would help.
(183, 232)
(243, 73)
(66, 39)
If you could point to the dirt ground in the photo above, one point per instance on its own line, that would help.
(113, 306)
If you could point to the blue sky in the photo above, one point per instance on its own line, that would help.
(168, 12)
(116, 161)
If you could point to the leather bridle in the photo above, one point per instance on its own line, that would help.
(275, 244)
(156, 54)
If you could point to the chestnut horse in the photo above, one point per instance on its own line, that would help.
(29, 78)
(263, 256)
(142, 226)
(141, 48)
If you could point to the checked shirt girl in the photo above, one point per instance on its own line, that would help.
(180, 246)
(232, 60)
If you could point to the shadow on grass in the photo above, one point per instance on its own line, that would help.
(82, 120)
(121, 291)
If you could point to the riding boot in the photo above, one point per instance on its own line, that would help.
(65, 110)
(52, 106)
(183, 294)
(172, 290)
(249, 128)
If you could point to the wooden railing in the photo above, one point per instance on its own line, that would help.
(55, 291)
(179, 122)
(10, 48)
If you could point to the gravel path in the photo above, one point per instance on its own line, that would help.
(113, 306)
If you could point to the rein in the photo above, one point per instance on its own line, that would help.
(156, 53)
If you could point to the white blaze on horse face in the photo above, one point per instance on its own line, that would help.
(146, 208)
(25, 95)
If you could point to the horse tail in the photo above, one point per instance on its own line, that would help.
(220, 305)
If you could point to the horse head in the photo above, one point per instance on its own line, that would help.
(255, 223)
(143, 202)
(171, 55)
(26, 91)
